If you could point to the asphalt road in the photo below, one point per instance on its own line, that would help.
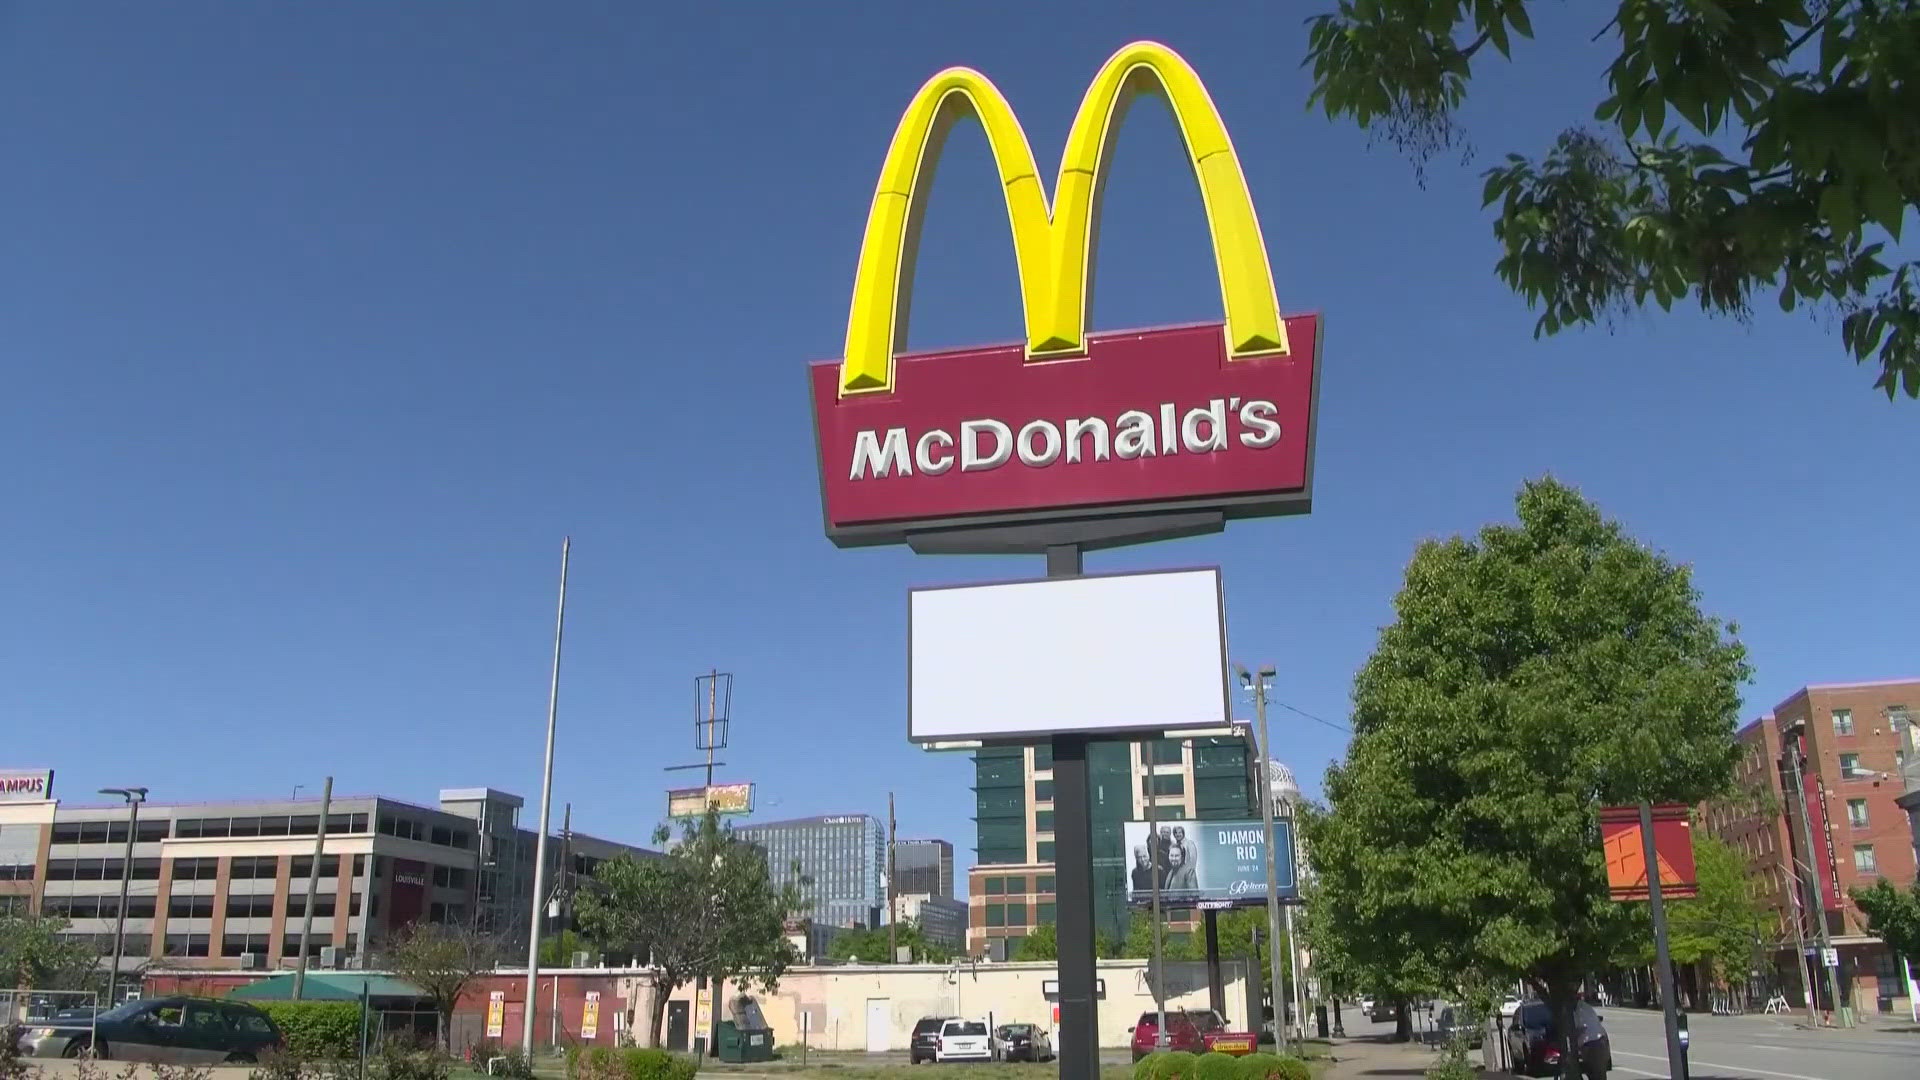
(1762, 1048)
(1747, 1048)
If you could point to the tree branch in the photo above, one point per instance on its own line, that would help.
(1467, 53)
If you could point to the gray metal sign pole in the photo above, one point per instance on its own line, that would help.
(1073, 880)
(1669, 1007)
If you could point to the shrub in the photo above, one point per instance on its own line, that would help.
(1148, 1065)
(628, 1063)
(1273, 1067)
(1217, 1066)
(399, 1061)
(280, 1065)
(1453, 1065)
(316, 1030)
(1177, 1065)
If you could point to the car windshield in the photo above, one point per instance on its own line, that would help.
(1205, 1021)
(926, 1027)
(969, 1028)
(1535, 1015)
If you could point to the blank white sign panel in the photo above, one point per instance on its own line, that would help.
(1117, 653)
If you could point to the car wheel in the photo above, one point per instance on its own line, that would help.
(74, 1048)
(239, 1057)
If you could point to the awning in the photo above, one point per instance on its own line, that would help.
(329, 986)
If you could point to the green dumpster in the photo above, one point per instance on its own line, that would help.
(740, 1045)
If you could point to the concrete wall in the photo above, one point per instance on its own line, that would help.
(839, 1000)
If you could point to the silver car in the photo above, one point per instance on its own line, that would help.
(174, 1030)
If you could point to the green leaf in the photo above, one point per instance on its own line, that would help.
(1786, 304)
(1836, 206)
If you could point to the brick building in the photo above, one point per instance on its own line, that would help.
(1858, 742)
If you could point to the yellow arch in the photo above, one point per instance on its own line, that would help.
(1054, 246)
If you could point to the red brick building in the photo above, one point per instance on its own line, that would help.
(1857, 738)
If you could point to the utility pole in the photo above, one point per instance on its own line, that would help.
(313, 887)
(1258, 684)
(893, 908)
(546, 812)
(1796, 732)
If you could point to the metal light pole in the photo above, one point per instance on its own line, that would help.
(1153, 880)
(134, 796)
(546, 812)
(313, 888)
(1795, 731)
(1258, 685)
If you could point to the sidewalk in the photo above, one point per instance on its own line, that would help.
(1374, 1056)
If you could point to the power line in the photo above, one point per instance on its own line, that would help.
(1334, 724)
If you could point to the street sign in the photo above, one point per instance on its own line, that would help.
(1626, 858)
(1830, 957)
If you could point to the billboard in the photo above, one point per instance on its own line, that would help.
(1620, 838)
(1215, 419)
(727, 799)
(1207, 864)
(1111, 654)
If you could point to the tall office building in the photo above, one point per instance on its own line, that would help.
(923, 868)
(1859, 744)
(1010, 890)
(839, 861)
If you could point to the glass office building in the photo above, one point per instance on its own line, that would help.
(839, 859)
(923, 868)
(1011, 887)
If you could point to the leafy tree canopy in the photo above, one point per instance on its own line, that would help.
(1719, 926)
(708, 908)
(441, 959)
(1893, 915)
(35, 954)
(871, 946)
(1760, 147)
(1533, 674)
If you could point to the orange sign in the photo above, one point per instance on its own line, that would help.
(1626, 852)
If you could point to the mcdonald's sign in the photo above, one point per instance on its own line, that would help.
(1066, 424)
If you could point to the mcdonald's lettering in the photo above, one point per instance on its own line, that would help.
(1065, 422)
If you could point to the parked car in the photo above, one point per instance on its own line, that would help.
(964, 1040)
(1382, 1009)
(1023, 1042)
(925, 1043)
(1196, 1031)
(171, 1030)
(1533, 1043)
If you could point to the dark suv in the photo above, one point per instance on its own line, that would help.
(926, 1039)
(170, 1030)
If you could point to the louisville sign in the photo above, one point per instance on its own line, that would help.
(1066, 424)
(1620, 837)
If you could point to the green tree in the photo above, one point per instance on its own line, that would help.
(1893, 916)
(35, 954)
(1532, 675)
(1717, 927)
(1768, 146)
(873, 946)
(441, 959)
(707, 909)
(1042, 943)
(559, 950)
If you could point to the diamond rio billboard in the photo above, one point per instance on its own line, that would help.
(1065, 424)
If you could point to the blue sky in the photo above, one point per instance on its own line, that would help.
(324, 323)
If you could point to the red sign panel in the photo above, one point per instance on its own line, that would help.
(1621, 838)
(1156, 420)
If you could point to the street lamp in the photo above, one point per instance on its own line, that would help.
(1258, 687)
(134, 796)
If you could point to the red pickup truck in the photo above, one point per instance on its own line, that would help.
(1196, 1031)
